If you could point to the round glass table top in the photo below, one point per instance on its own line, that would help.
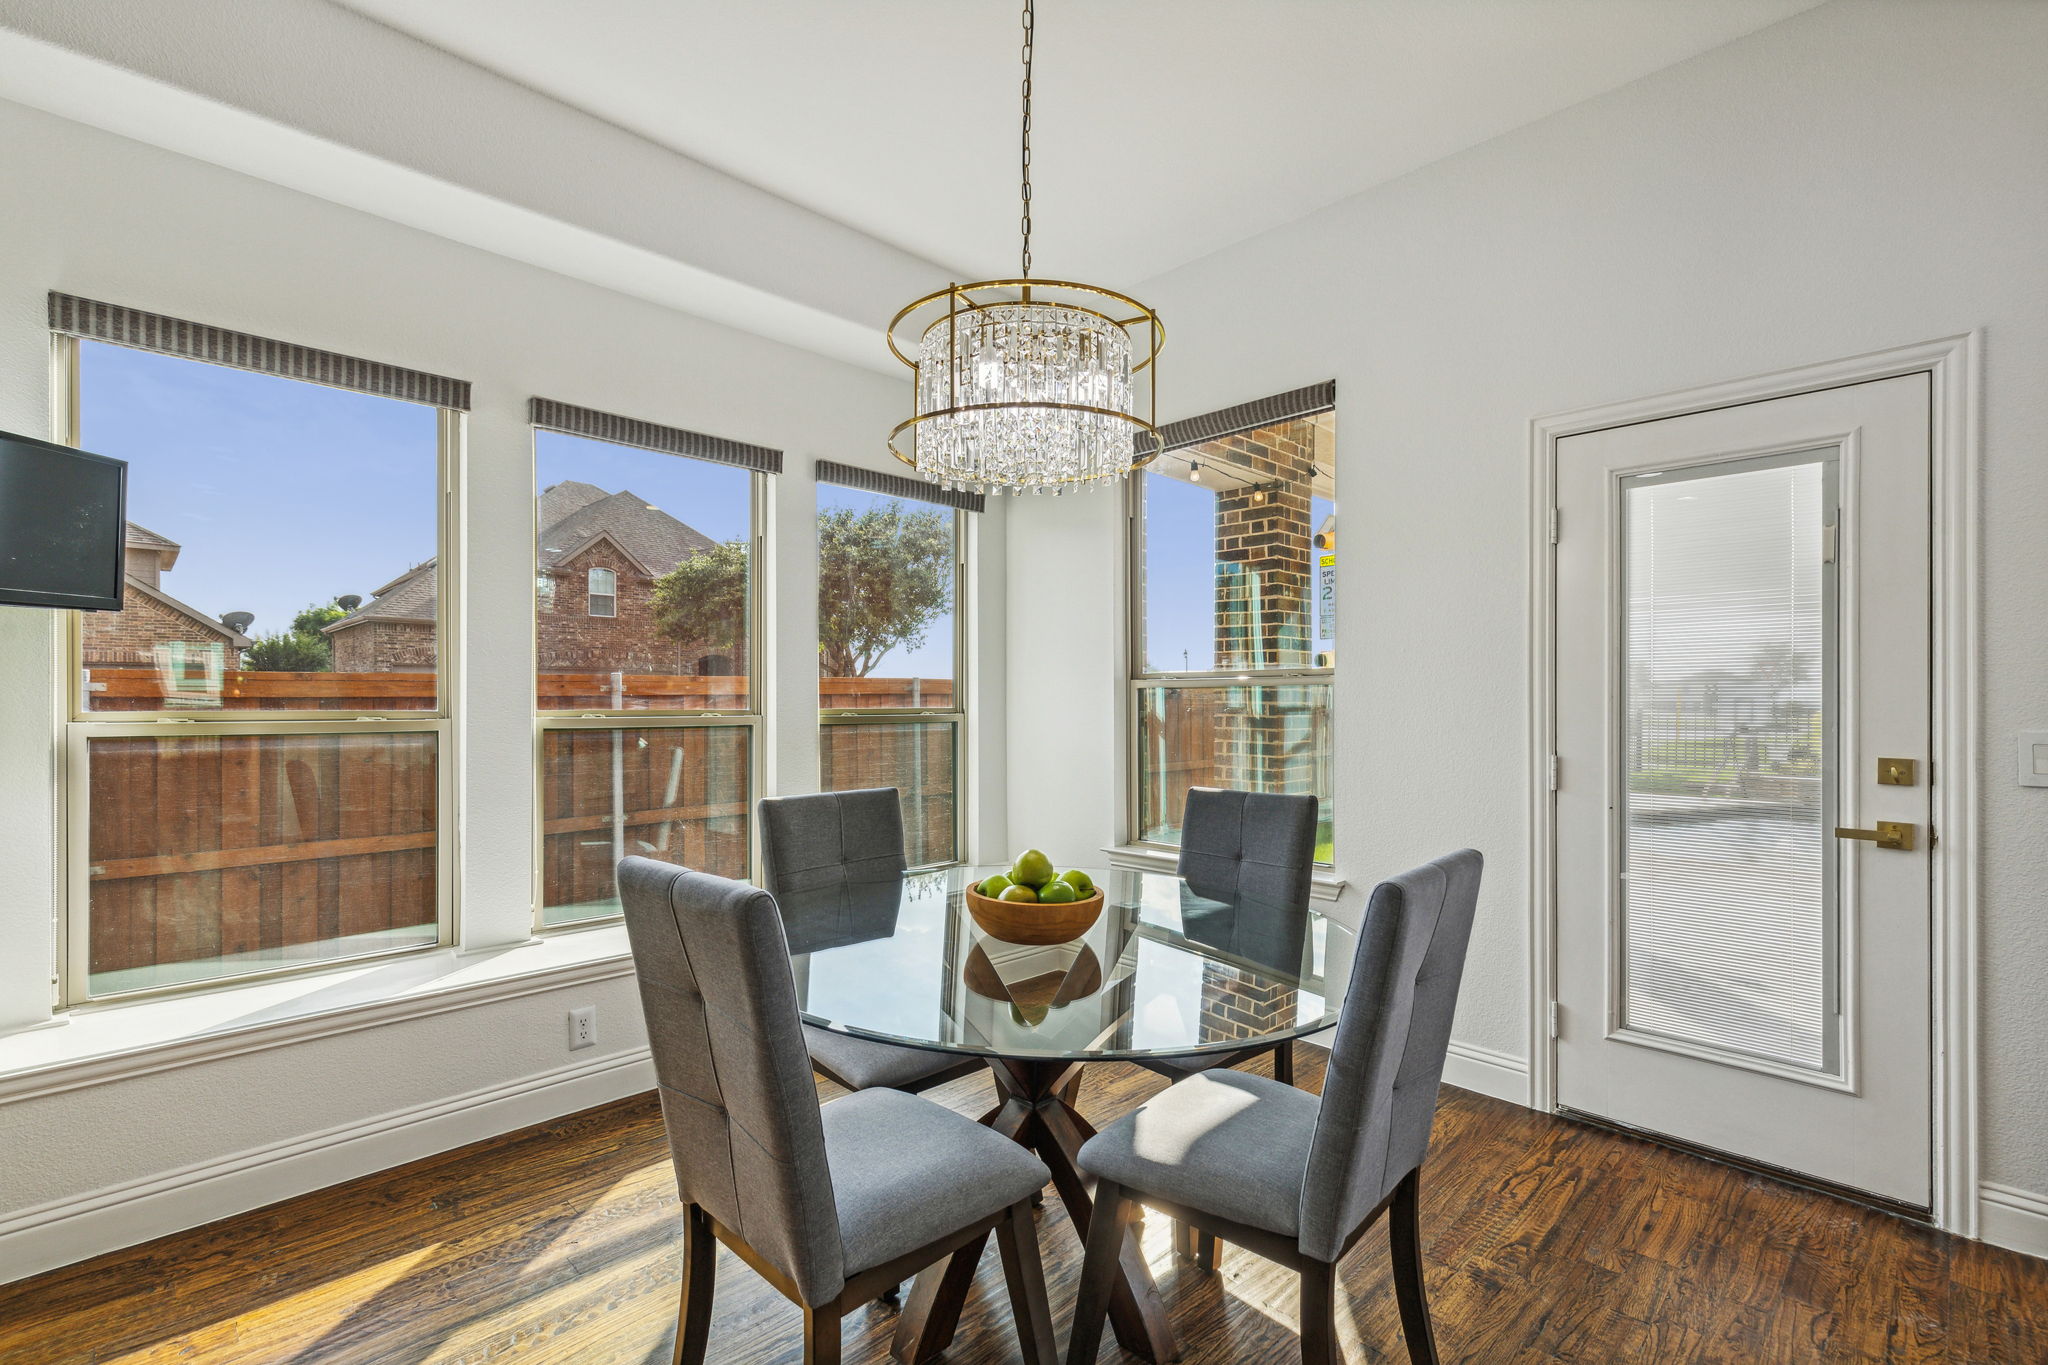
(1163, 971)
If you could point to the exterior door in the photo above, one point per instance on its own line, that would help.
(1743, 658)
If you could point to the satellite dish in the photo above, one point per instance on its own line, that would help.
(348, 603)
(239, 621)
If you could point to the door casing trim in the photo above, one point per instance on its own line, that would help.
(1953, 365)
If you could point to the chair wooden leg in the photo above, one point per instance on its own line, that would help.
(1193, 1244)
(1404, 1241)
(822, 1335)
(1283, 1063)
(1319, 1315)
(1098, 1272)
(931, 1314)
(1017, 1238)
(700, 1275)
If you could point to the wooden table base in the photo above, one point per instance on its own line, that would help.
(1037, 1110)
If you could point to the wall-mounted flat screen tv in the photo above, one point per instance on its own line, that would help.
(63, 520)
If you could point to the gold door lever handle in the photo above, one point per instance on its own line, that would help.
(1892, 834)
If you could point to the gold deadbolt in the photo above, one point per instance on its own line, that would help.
(1892, 834)
(1898, 772)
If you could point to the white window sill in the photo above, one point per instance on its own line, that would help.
(1323, 886)
(93, 1044)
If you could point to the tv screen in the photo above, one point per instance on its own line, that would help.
(63, 518)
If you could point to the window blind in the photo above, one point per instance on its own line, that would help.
(96, 321)
(1259, 412)
(896, 486)
(631, 431)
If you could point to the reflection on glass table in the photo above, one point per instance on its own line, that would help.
(1162, 972)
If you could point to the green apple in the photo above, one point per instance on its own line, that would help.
(993, 885)
(1018, 893)
(1082, 883)
(1032, 868)
(1057, 893)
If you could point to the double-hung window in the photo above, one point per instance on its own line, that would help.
(891, 708)
(256, 755)
(604, 592)
(647, 575)
(1233, 642)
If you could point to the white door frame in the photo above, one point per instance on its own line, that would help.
(1953, 365)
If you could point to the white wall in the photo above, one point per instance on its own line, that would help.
(94, 214)
(1871, 173)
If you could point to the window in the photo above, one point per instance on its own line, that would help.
(254, 759)
(889, 647)
(604, 592)
(1234, 563)
(646, 568)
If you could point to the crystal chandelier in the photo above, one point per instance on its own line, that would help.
(1027, 385)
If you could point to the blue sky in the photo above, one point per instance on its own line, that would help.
(281, 492)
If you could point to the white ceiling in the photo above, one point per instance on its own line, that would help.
(1164, 129)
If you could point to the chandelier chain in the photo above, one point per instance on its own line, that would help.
(1026, 192)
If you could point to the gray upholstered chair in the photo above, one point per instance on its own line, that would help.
(831, 1205)
(1295, 1177)
(830, 846)
(1253, 852)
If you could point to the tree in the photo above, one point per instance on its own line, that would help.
(312, 617)
(288, 651)
(703, 600)
(302, 649)
(885, 575)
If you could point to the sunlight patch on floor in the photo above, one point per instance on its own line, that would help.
(291, 1324)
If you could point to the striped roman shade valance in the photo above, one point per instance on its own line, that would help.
(896, 486)
(1260, 412)
(97, 321)
(630, 431)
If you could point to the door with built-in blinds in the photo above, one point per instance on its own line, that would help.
(1742, 694)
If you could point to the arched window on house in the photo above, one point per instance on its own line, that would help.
(604, 593)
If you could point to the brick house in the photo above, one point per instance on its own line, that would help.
(600, 554)
(151, 619)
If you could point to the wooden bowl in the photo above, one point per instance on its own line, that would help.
(1034, 922)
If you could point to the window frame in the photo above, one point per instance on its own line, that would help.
(752, 719)
(78, 727)
(955, 715)
(1138, 678)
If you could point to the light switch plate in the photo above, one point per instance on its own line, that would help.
(2033, 758)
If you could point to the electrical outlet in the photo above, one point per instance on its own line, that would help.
(583, 1027)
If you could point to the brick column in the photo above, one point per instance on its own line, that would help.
(1264, 579)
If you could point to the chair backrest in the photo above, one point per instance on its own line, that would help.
(729, 1059)
(831, 839)
(1379, 1093)
(1248, 846)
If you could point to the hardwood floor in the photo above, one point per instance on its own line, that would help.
(1544, 1241)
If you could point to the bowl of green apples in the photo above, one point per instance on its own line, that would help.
(1034, 904)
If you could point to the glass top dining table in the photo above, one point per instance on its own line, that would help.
(1168, 969)
(1164, 970)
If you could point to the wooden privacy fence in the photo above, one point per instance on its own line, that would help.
(278, 848)
(257, 846)
(1218, 737)
(144, 689)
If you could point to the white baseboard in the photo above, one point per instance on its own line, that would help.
(71, 1229)
(2013, 1218)
(1504, 1077)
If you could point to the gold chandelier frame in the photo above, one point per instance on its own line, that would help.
(917, 319)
